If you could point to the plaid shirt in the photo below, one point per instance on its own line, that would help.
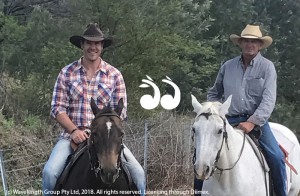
(73, 92)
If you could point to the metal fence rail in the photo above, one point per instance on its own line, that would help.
(3, 177)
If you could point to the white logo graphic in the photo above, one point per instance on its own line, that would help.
(167, 101)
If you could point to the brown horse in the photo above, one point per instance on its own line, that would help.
(95, 167)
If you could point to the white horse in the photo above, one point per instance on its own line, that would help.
(226, 160)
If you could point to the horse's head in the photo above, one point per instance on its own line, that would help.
(105, 142)
(209, 133)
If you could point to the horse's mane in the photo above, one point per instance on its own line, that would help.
(106, 109)
(210, 107)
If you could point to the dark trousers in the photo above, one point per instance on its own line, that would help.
(273, 154)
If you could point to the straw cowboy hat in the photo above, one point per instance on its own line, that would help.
(252, 32)
(91, 33)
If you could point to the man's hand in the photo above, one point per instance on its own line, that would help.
(79, 136)
(246, 126)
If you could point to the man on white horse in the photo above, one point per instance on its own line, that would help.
(251, 80)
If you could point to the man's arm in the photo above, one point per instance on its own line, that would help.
(216, 92)
(77, 135)
(59, 105)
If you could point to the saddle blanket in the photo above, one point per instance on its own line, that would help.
(286, 141)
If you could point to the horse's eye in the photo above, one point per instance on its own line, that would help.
(220, 131)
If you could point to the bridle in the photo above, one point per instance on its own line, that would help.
(225, 138)
(94, 161)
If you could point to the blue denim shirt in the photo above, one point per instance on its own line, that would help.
(253, 89)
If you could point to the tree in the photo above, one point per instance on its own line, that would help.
(23, 8)
(278, 19)
(156, 38)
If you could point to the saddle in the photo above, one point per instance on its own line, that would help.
(71, 161)
(253, 138)
(255, 135)
(72, 158)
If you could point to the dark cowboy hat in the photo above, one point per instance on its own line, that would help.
(91, 33)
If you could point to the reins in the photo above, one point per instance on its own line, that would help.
(225, 138)
(218, 155)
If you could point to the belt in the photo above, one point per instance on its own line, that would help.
(238, 116)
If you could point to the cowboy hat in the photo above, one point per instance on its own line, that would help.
(252, 32)
(91, 33)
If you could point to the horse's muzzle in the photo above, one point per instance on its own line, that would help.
(109, 176)
(204, 174)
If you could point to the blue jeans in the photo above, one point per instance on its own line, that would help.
(55, 164)
(62, 150)
(273, 154)
(198, 184)
(135, 169)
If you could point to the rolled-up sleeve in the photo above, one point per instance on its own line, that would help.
(265, 108)
(59, 103)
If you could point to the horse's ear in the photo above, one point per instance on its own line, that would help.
(225, 106)
(94, 107)
(120, 107)
(196, 105)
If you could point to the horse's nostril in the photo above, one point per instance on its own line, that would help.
(207, 170)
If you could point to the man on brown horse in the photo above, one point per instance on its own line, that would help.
(77, 83)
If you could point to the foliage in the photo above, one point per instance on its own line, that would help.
(11, 35)
(153, 40)
(186, 40)
(33, 122)
(25, 149)
(279, 19)
(6, 123)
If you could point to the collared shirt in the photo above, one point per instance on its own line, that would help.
(73, 92)
(253, 89)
